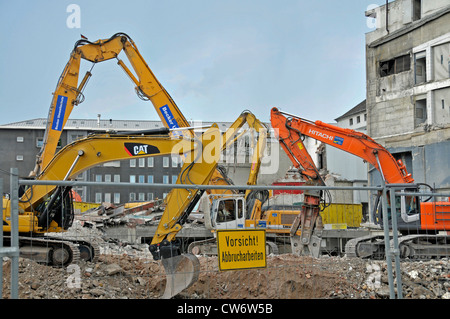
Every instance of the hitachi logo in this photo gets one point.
(320, 134)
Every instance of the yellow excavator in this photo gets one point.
(48, 209)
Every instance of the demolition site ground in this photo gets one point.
(125, 274)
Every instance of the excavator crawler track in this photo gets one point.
(417, 247)
(57, 252)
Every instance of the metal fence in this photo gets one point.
(285, 275)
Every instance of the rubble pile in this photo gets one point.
(125, 274)
(108, 214)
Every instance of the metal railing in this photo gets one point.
(13, 250)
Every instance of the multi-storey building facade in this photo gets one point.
(408, 86)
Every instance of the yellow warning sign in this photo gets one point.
(241, 249)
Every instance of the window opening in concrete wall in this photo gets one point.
(406, 158)
(396, 65)
(420, 111)
(417, 9)
(420, 69)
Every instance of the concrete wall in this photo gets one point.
(410, 117)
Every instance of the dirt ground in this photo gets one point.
(124, 276)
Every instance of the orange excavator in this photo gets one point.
(423, 223)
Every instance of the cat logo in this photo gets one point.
(137, 149)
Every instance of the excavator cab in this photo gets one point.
(228, 213)
(407, 209)
(58, 209)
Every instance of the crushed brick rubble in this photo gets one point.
(126, 271)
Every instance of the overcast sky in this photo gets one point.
(216, 58)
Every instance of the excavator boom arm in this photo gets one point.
(291, 128)
(97, 149)
(68, 92)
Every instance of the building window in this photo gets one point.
(420, 111)
(141, 178)
(132, 178)
(39, 142)
(116, 198)
(141, 197)
(174, 179)
(150, 179)
(351, 122)
(420, 70)
(19, 158)
(141, 162)
(98, 178)
(108, 197)
(19, 139)
(358, 119)
(166, 179)
(98, 197)
(150, 161)
(116, 178)
(133, 162)
(396, 65)
(165, 162)
(132, 197)
(149, 196)
(175, 161)
(108, 178)
(417, 10)
(75, 137)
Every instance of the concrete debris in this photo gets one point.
(108, 214)
(118, 276)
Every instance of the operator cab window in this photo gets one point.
(226, 211)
